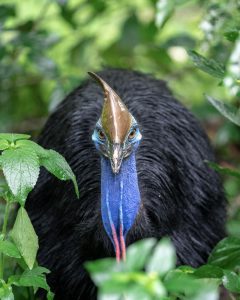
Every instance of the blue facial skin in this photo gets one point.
(120, 197)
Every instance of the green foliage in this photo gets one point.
(20, 161)
(209, 66)
(9, 249)
(57, 165)
(157, 277)
(21, 169)
(227, 110)
(46, 48)
(25, 238)
(161, 279)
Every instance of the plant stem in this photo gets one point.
(5, 221)
(4, 231)
(30, 293)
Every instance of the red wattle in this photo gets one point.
(116, 243)
(122, 244)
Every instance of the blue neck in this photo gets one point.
(120, 197)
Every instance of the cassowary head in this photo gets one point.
(116, 137)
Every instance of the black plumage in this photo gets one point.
(181, 196)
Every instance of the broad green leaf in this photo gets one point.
(126, 283)
(224, 170)
(116, 285)
(4, 144)
(227, 110)
(226, 254)
(231, 281)
(9, 249)
(210, 66)
(27, 144)
(21, 170)
(232, 34)
(38, 271)
(164, 11)
(14, 137)
(155, 290)
(163, 258)
(50, 295)
(33, 278)
(6, 293)
(138, 253)
(56, 164)
(177, 281)
(25, 238)
(208, 271)
(102, 270)
(29, 280)
(208, 291)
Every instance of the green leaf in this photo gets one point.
(28, 279)
(7, 11)
(208, 271)
(4, 144)
(232, 34)
(25, 238)
(208, 291)
(56, 164)
(163, 258)
(6, 293)
(138, 253)
(27, 144)
(226, 254)
(227, 110)
(32, 278)
(116, 285)
(186, 269)
(210, 66)
(224, 170)
(231, 281)
(9, 249)
(39, 271)
(177, 281)
(102, 270)
(10, 137)
(21, 170)
(164, 11)
(50, 295)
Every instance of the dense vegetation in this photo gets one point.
(46, 48)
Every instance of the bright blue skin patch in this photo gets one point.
(120, 196)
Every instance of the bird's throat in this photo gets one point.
(120, 200)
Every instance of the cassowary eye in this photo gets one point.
(101, 134)
(132, 134)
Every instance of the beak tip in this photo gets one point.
(115, 169)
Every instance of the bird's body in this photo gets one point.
(179, 195)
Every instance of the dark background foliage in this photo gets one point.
(47, 46)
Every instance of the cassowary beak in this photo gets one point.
(116, 157)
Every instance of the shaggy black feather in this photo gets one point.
(181, 196)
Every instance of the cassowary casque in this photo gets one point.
(139, 158)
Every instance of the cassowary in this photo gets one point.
(139, 158)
